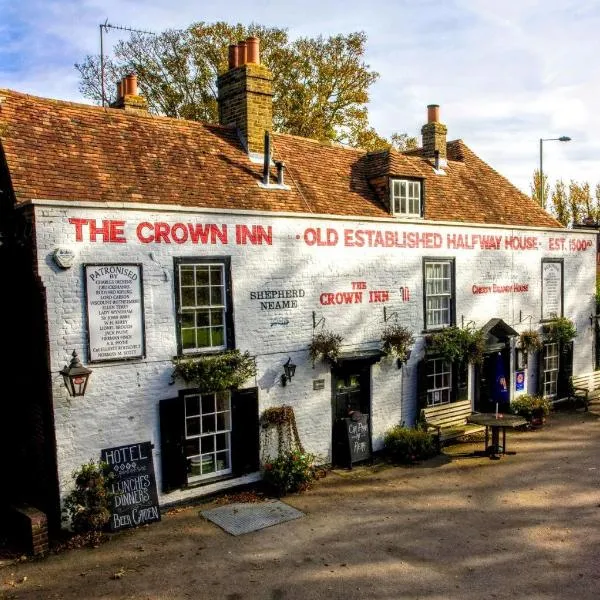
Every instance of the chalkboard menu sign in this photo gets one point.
(135, 501)
(115, 311)
(359, 441)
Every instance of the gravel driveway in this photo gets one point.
(457, 526)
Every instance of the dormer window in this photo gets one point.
(406, 198)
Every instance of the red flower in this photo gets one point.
(268, 467)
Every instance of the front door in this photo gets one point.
(351, 394)
(494, 382)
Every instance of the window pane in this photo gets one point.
(202, 318)
(216, 296)
(203, 338)
(192, 426)
(218, 336)
(188, 296)
(207, 444)
(208, 463)
(208, 403)
(208, 424)
(222, 440)
(216, 276)
(192, 447)
(187, 275)
(188, 338)
(192, 405)
(222, 461)
(202, 296)
(187, 319)
(202, 276)
(223, 421)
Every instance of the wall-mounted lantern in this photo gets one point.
(76, 376)
(289, 370)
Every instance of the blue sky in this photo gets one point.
(504, 73)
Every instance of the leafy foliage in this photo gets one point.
(228, 370)
(320, 84)
(283, 420)
(397, 339)
(527, 406)
(456, 344)
(560, 330)
(405, 445)
(325, 345)
(292, 471)
(530, 341)
(88, 505)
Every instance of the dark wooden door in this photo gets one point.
(351, 393)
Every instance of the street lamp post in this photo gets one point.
(562, 138)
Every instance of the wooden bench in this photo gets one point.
(582, 385)
(449, 421)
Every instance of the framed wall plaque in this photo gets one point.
(115, 311)
(552, 288)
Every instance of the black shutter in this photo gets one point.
(172, 450)
(244, 431)
(422, 384)
(541, 362)
(565, 370)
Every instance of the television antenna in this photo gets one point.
(104, 27)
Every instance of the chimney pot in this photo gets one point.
(119, 90)
(433, 113)
(252, 51)
(233, 56)
(130, 85)
(242, 53)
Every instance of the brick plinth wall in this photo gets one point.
(29, 529)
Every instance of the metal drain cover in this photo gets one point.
(238, 519)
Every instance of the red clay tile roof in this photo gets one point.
(65, 151)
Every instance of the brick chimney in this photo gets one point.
(434, 135)
(127, 95)
(246, 94)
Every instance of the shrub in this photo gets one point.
(291, 471)
(406, 445)
(560, 329)
(227, 370)
(457, 344)
(88, 505)
(528, 406)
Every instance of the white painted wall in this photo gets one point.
(121, 404)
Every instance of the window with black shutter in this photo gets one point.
(205, 436)
(441, 382)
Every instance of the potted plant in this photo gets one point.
(396, 341)
(560, 330)
(533, 408)
(325, 345)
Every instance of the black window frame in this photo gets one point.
(229, 320)
(439, 259)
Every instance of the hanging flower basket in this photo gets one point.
(455, 344)
(530, 341)
(396, 341)
(325, 345)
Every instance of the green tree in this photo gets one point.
(536, 189)
(320, 84)
(580, 201)
(560, 203)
